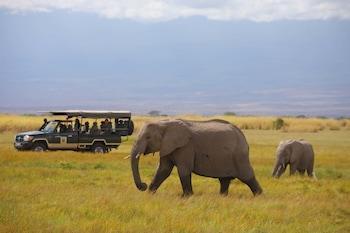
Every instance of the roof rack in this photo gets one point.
(91, 114)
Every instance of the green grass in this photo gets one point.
(83, 192)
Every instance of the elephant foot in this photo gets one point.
(142, 186)
(152, 191)
(224, 194)
(153, 188)
(187, 194)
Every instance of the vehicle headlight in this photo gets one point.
(27, 138)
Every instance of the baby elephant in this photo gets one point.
(298, 154)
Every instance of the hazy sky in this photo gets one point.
(177, 56)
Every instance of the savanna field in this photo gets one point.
(67, 191)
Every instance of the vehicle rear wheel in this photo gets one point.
(39, 147)
(99, 148)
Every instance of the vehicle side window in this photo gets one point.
(122, 123)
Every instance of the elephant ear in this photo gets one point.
(176, 135)
(288, 150)
(296, 151)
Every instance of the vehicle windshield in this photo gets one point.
(50, 127)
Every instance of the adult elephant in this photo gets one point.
(212, 148)
(298, 154)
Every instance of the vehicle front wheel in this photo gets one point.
(99, 148)
(39, 147)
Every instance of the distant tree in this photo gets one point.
(301, 116)
(343, 118)
(322, 117)
(278, 124)
(230, 114)
(154, 113)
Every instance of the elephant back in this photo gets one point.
(220, 148)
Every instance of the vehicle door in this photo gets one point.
(64, 140)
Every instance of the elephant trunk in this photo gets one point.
(135, 152)
(276, 169)
(279, 169)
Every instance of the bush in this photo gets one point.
(301, 116)
(154, 113)
(343, 123)
(230, 114)
(278, 124)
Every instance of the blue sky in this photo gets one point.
(178, 57)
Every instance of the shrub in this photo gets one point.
(343, 123)
(278, 124)
(99, 166)
(154, 113)
(301, 116)
(229, 113)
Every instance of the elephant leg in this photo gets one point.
(292, 169)
(164, 169)
(253, 185)
(301, 171)
(310, 169)
(183, 158)
(186, 185)
(310, 172)
(186, 181)
(224, 185)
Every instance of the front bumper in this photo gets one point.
(23, 145)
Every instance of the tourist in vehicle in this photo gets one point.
(70, 128)
(110, 126)
(77, 125)
(62, 128)
(86, 127)
(94, 128)
(107, 126)
(102, 126)
(44, 125)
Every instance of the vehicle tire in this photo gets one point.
(131, 127)
(99, 148)
(39, 147)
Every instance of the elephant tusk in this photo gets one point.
(137, 156)
(127, 157)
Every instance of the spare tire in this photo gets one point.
(131, 127)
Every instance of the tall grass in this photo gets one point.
(25, 123)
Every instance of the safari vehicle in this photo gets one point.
(76, 132)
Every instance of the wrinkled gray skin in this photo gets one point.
(298, 154)
(212, 148)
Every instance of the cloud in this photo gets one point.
(162, 10)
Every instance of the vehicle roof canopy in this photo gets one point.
(91, 114)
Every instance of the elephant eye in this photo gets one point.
(148, 137)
